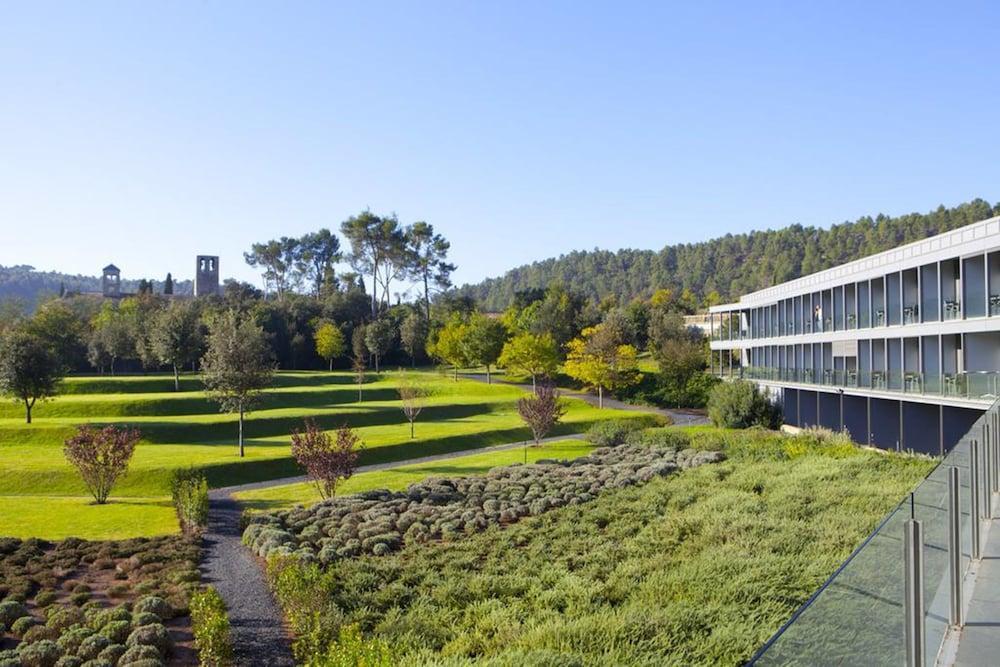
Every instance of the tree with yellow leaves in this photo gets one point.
(597, 359)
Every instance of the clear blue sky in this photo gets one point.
(144, 133)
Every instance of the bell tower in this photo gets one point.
(206, 280)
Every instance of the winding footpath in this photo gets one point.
(258, 628)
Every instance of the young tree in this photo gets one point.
(325, 460)
(449, 344)
(237, 366)
(530, 354)
(64, 329)
(413, 335)
(29, 370)
(112, 335)
(429, 252)
(176, 337)
(358, 366)
(541, 411)
(484, 340)
(598, 360)
(379, 336)
(101, 455)
(330, 342)
(413, 396)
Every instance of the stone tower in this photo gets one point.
(111, 281)
(206, 279)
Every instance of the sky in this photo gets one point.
(144, 133)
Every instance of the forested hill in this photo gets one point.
(28, 285)
(731, 265)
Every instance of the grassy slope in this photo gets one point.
(698, 568)
(286, 496)
(41, 495)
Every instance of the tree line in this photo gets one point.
(724, 268)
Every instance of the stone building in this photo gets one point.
(206, 281)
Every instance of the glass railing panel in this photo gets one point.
(984, 385)
(856, 617)
(952, 309)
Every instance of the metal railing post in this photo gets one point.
(913, 603)
(955, 547)
(987, 471)
(974, 497)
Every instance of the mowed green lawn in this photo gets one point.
(42, 496)
(396, 479)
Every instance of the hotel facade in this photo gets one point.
(900, 349)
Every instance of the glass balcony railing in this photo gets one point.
(952, 310)
(974, 385)
(859, 615)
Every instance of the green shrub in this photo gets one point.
(117, 631)
(112, 653)
(741, 404)
(138, 652)
(92, 646)
(69, 661)
(351, 649)
(153, 604)
(19, 627)
(612, 432)
(45, 598)
(666, 437)
(210, 625)
(44, 653)
(189, 490)
(154, 635)
(10, 611)
(70, 640)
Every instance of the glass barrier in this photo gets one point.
(856, 617)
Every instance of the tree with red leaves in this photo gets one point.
(326, 460)
(541, 411)
(102, 456)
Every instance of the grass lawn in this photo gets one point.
(698, 568)
(396, 479)
(185, 429)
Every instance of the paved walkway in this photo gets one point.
(979, 643)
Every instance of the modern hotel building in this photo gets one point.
(900, 349)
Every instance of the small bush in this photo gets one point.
(351, 648)
(612, 432)
(45, 598)
(137, 652)
(19, 627)
(116, 631)
(741, 404)
(210, 625)
(10, 611)
(189, 490)
(44, 653)
(154, 635)
(668, 438)
(153, 604)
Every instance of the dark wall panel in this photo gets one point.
(921, 428)
(807, 408)
(790, 406)
(856, 418)
(829, 410)
(957, 421)
(885, 423)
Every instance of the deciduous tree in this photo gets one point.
(448, 345)
(101, 455)
(238, 365)
(379, 336)
(330, 342)
(530, 354)
(413, 335)
(484, 339)
(598, 360)
(29, 369)
(541, 411)
(326, 460)
(413, 395)
(177, 338)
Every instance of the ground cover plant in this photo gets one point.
(699, 567)
(287, 496)
(381, 521)
(75, 603)
(41, 495)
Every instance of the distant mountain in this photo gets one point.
(731, 265)
(25, 283)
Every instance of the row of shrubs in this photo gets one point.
(380, 521)
(96, 604)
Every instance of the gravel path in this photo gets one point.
(258, 631)
(259, 635)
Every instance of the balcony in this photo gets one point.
(972, 385)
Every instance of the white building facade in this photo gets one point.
(900, 349)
